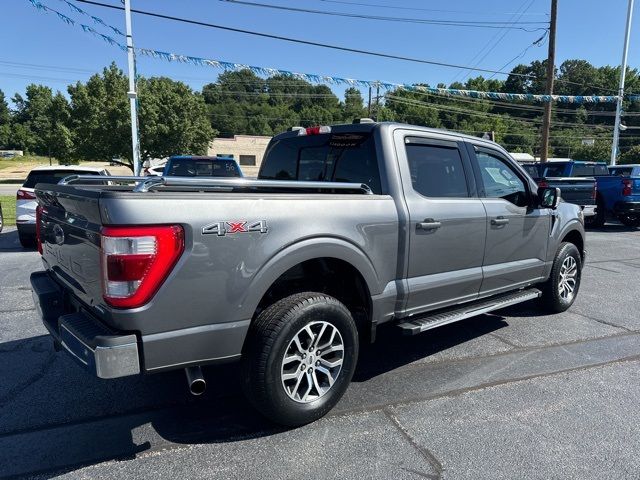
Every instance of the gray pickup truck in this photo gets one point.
(347, 227)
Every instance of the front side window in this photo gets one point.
(436, 171)
(500, 180)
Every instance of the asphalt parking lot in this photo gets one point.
(511, 395)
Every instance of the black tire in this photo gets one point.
(632, 221)
(27, 240)
(271, 336)
(553, 299)
(599, 219)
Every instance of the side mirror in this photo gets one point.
(146, 164)
(548, 197)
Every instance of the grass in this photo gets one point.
(8, 203)
(19, 163)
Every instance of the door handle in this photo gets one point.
(499, 221)
(428, 224)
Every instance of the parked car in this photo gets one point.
(580, 190)
(26, 198)
(194, 166)
(346, 228)
(619, 195)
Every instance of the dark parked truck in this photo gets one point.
(578, 189)
(346, 228)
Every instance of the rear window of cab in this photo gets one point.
(330, 157)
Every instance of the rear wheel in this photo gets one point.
(630, 220)
(299, 359)
(560, 290)
(27, 240)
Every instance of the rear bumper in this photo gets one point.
(102, 351)
(588, 210)
(26, 228)
(627, 208)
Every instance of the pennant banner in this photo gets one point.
(315, 78)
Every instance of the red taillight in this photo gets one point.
(38, 234)
(542, 184)
(136, 261)
(25, 195)
(627, 185)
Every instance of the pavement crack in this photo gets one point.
(504, 340)
(13, 392)
(425, 452)
(604, 322)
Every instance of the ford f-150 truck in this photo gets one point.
(346, 228)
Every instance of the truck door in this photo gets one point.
(517, 233)
(447, 221)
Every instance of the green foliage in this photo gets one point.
(630, 156)
(599, 152)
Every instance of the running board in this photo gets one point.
(414, 326)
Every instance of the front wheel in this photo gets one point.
(300, 355)
(632, 221)
(559, 292)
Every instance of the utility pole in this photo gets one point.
(551, 60)
(132, 94)
(369, 102)
(377, 101)
(623, 72)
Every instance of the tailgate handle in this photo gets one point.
(499, 221)
(428, 224)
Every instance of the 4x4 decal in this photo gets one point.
(233, 227)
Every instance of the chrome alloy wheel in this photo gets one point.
(568, 278)
(312, 362)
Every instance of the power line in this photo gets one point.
(452, 23)
(418, 9)
(307, 42)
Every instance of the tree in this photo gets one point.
(5, 121)
(630, 156)
(600, 151)
(353, 104)
(32, 116)
(100, 119)
(172, 119)
(59, 138)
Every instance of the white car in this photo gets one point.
(26, 199)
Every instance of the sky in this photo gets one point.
(39, 48)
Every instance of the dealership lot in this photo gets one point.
(511, 395)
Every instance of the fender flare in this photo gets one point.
(308, 249)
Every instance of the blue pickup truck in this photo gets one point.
(619, 195)
(617, 188)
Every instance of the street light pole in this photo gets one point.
(623, 72)
(132, 94)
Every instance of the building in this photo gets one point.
(247, 150)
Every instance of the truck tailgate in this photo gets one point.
(577, 190)
(70, 235)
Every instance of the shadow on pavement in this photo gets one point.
(49, 405)
(9, 241)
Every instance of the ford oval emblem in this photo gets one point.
(58, 234)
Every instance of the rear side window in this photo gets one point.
(339, 157)
(436, 171)
(51, 176)
(620, 171)
(190, 167)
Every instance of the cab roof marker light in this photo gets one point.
(314, 130)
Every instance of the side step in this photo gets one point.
(417, 325)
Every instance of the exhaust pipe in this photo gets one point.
(195, 380)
